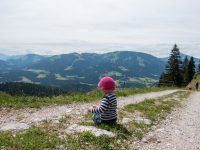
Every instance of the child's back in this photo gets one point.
(108, 108)
(107, 111)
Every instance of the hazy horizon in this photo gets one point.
(102, 52)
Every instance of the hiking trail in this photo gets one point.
(180, 130)
(20, 119)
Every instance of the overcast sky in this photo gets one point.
(64, 26)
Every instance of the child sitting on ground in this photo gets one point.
(107, 111)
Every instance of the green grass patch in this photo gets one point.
(140, 62)
(36, 102)
(47, 137)
(38, 71)
(118, 129)
(41, 76)
(64, 119)
(123, 68)
(87, 141)
(26, 80)
(131, 91)
(33, 139)
(153, 109)
(138, 129)
(59, 77)
(156, 109)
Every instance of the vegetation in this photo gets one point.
(178, 73)
(173, 68)
(69, 71)
(199, 68)
(197, 76)
(7, 100)
(28, 89)
(34, 138)
(191, 69)
(153, 109)
(185, 70)
(49, 137)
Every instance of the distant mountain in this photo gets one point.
(4, 66)
(24, 60)
(77, 71)
(3, 56)
(197, 60)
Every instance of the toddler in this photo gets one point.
(106, 112)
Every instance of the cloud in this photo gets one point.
(98, 24)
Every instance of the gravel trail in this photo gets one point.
(180, 131)
(23, 118)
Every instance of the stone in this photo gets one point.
(142, 120)
(95, 131)
(144, 140)
(126, 120)
(14, 126)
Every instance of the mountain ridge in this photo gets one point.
(75, 71)
(79, 71)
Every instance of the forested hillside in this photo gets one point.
(82, 71)
(27, 89)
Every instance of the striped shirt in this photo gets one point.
(108, 107)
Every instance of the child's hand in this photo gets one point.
(94, 106)
(89, 109)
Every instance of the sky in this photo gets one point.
(51, 27)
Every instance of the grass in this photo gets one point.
(41, 76)
(154, 110)
(131, 91)
(25, 79)
(59, 77)
(38, 71)
(118, 129)
(86, 140)
(138, 129)
(33, 139)
(35, 102)
(64, 119)
(47, 135)
(117, 142)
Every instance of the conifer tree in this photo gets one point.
(199, 67)
(185, 70)
(191, 69)
(174, 67)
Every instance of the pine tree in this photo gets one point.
(191, 69)
(162, 79)
(199, 67)
(174, 67)
(185, 70)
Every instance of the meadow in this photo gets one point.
(9, 101)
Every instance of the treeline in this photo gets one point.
(28, 89)
(178, 72)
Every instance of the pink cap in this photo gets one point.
(107, 83)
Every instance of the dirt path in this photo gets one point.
(180, 131)
(24, 118)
